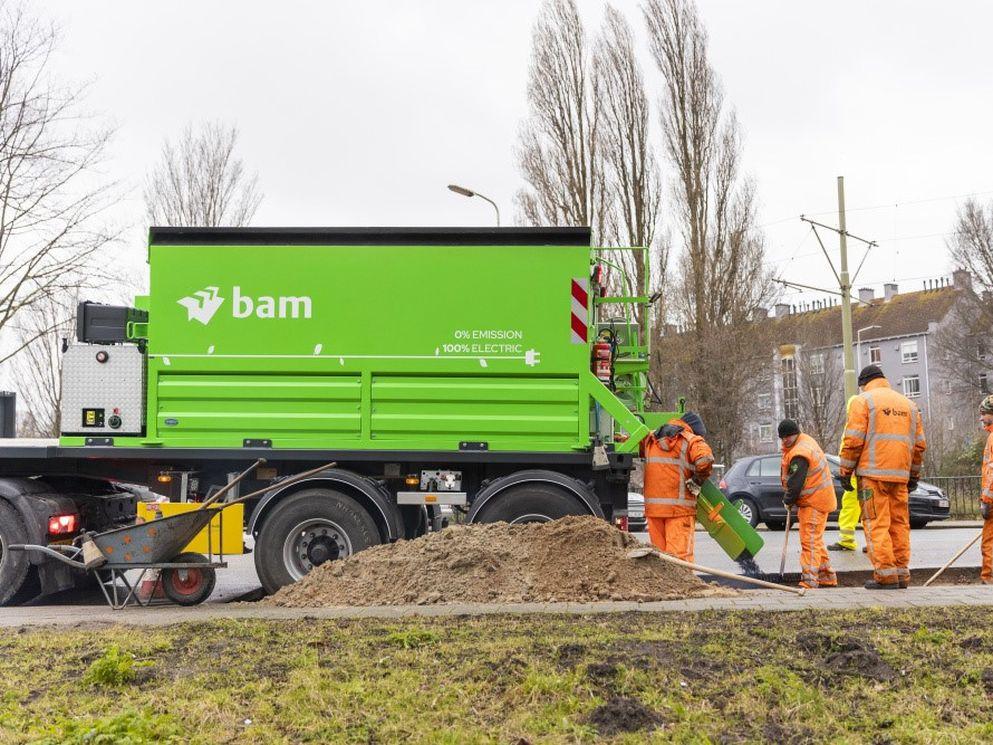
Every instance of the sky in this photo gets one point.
(358, 114)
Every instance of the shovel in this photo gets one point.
(642, 551)
(786, 542)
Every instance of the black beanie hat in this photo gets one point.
(695, 423)
(788, 427)
(869, 372)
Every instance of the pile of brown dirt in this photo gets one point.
(575, 559)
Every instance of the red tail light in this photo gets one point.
(63, 524)
(621, 522)
(723, 484)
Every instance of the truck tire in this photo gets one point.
(530, 503)
(305, 530)
(14, 565)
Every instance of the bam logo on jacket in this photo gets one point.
(895, 412)
(203, 304)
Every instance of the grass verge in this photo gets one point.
(921, 675)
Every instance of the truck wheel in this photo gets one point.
(530, 503)
(14, 565)
(189, 586)
(307, 529)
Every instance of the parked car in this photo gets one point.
(753, 483)
(636, 513)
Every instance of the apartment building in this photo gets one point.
(900, 332)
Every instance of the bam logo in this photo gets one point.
(203, 304)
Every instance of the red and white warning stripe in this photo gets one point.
(580, 310)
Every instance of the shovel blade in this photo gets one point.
(641, 552)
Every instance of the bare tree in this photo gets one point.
(558, 153)
(51, 194)
(821, 395)
(630, 167)
(38, 369)
(721, 278)
(964, 349)
(200, 181)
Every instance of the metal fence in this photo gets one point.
(962, 493)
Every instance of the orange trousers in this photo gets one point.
(886, 522)
(815, 565)
(673, 535)
(987, 544)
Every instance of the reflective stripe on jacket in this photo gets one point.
(818, 489)
(884, 435)
(987, 487)
(669, 462)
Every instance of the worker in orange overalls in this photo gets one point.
(807, 480)
(986, 491)
(884, 446)
(677, 461)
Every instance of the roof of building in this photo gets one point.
(905, 314)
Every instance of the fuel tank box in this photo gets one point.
(406, 339)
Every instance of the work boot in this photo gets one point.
(873, 585)
(904, 583)
(865, 549)
(840, 547)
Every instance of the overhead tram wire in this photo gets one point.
(893, 205)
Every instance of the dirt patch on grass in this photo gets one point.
(620, 714)
(846, 656)
(859, 658)
(575, 559)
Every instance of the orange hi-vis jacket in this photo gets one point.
(987, 493)
(669, 462)
(884, 436)
(818, 489)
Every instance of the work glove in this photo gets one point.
(846, 482)
(912, 486)
(668, 430)
(987, 509)
(693, 487)
(789, 501)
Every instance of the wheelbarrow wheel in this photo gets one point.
(188, 586)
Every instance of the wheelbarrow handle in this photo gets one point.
(231, 484)
(65, 554)
(279, 484)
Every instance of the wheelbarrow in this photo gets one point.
(185, 578)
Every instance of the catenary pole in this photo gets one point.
(851, 386)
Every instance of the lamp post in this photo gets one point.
(858, 342)
(470, 193)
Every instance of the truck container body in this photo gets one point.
(399, 347)
(470, 368)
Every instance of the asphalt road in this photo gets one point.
(931, 547)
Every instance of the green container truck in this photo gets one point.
(466, 369)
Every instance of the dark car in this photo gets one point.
(753, 483)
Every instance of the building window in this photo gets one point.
(912, 386)
(817, 363)
(764, 401)
(908, 351)
(765, 433)
(875, 355)
(984, 383)
(791, 401)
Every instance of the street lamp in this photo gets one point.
(858, 342)
(470, 193)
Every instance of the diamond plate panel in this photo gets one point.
(117, 386)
